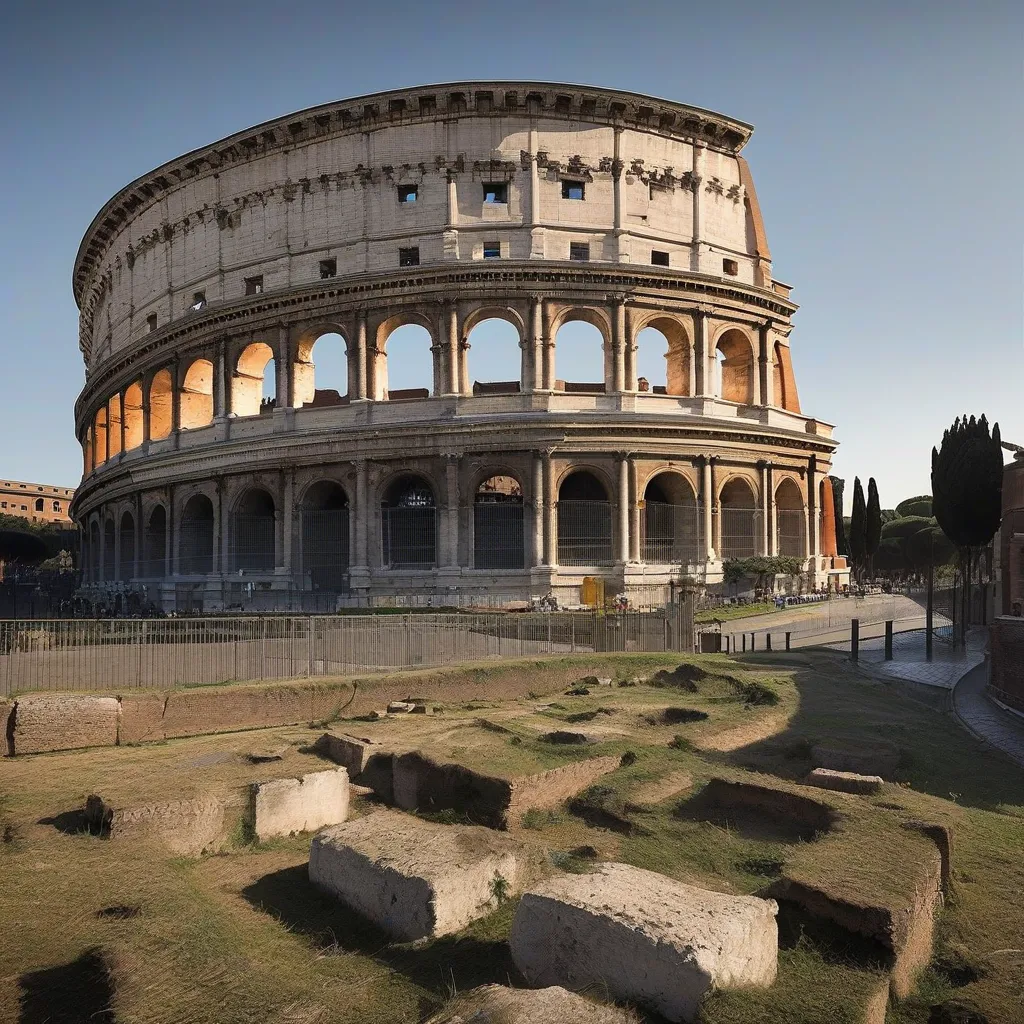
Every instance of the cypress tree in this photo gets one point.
(858, 527)
(842, 546)
(872, 525)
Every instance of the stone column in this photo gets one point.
(220, 395)
(621, 252)
(622, 552)
(170, 554)
(282, 369)
(550, 512)
(814, 523)
(716, 509)
(701, 360)
(765, 508)
(362, 515)
(758, 370)
(451, 385)
(537, 506)
(698, 176)
(139, 535)
(451, 479)
(549, 350)
(361, 359)
(437, 352)
(175, 402)
(117, 547)
(536, 354)
(464, 388)
(219, 553)
(773, 526)
(706, 498)
(121, 426)
(147, 434)
(764, 377)
(536, 231)
(629, 384)
(634, 514)
(289, 519)
(618, 346)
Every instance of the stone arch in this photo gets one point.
(126, 532)
(418, 363)
(789, 518)
(783, 381)
(100, 436)
(674, 377)
(133, 416)
(496, 336)
(161, 396)
(312, 387)
(250, 376)
(734, 367)
(324, 536)
(582, 349)
(409, 522)
(671, 523)
(196, 395)
(739, 518)
(498, 522)
(195, 536)
(154, 543)
(114, 425)
(584, 519)
(253, 531)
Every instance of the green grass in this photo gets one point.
(734, 611)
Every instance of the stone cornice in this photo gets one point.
(557, 280)
(442, 102)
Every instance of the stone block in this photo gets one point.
(413, 878)
(401, 707)
(350, 752)
(187, 827)
(867, 759)
(844, 782)
(6, 728)
(644, 938)
(64, 721)
(498, 1004)
(284, 806)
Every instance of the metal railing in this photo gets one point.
(117, 654)
(409, 537)
(672, 533)
(740, 531)
(790, 525)
(498, 535)
(585, 533)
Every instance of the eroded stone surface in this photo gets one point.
(647, 938)
(498, 1004)
(844, 782)
(350, 752)
(186, 827)
(64, 721)
(283, 806)
(413, 878)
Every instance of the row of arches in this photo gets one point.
(405, 360)
(671, 527)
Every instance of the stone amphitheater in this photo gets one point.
(439, 224)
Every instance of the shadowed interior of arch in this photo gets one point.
(132, 412)
(663, 358)
(195, 536)
(196, 398)
(739, 519)
(160, 405)
(325, 536)
(498, 534)
(154, 544)
(584, 520)
(789, 519)
(580, 361)
(409, 524)
(126, 530)
(671, 525)
(734, 368)
(320, 373)
(495, 357)
(252, 532)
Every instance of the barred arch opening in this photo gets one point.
(671, 524)
(409, 524)
(789, 519)
(160, 403)
(734, 368)
(253, 547)
(498, 533)
(584, 520)
(195, 537)
(126, 531)
(94, 552)
(108, 551)
(154, 544)
(196, 396)
(325, 537)
(739, 519)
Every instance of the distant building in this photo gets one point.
(39, 503)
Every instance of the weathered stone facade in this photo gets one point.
(444, 207)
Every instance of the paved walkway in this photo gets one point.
(985, 719)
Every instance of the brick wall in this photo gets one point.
(1006, 640)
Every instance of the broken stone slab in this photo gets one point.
(283, 806)
(187, 827)
(844, 782)
(413, 878)
(351, 752)
(401, 707)
(498, 1004)
(644, 938)
(265, 756)
(877, 758)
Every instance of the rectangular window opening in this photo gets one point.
(496, 192)
(198, 301)
(579, 251)
(409, 257)
(151, 321)
(254, 285)
(408, 193)
(572, 189)
(659, 258)
(730, 267)
(328, 268)
(492, 250)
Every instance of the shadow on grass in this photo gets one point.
(71, 823)
(937, 756)
(478, 956)
(72, 993)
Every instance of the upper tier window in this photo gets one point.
(328, 268)
(198, 301)
(408, 193)
(496, 192)
(572, 189)
(254, 285)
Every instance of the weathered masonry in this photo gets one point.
(217, 464)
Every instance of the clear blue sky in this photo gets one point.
(887, 154)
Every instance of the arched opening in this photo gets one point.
(127, 538)
(671, 521)
(404, 366)
(154, 562)
(739, 519)
(195, 541)
(409, 524)
(197, 395)
(252, 532)
(789, 519)
(784, 385)
(580, 357)
(495, 357)
(734, 368)
(114, 426)
(133, 416)
(108, 551)
(160, 401)
(325, 533)
(498, 524)
(94, 551)
(320, 373)
(254, 381)
(584, 521)
(663, 358)
(99, 427)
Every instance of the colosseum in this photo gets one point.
(466, 230)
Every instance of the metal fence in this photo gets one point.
(585, 532)
(115, 654)
(672, 533)
(740, 532)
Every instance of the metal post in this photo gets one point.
(744, 643)
(928, 616)
(854, 639)
(788, 635)
(753, 641)
(888, 640)
(767, 641)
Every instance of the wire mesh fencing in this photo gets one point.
(584, 532)
(116, 654)
(672, 533)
